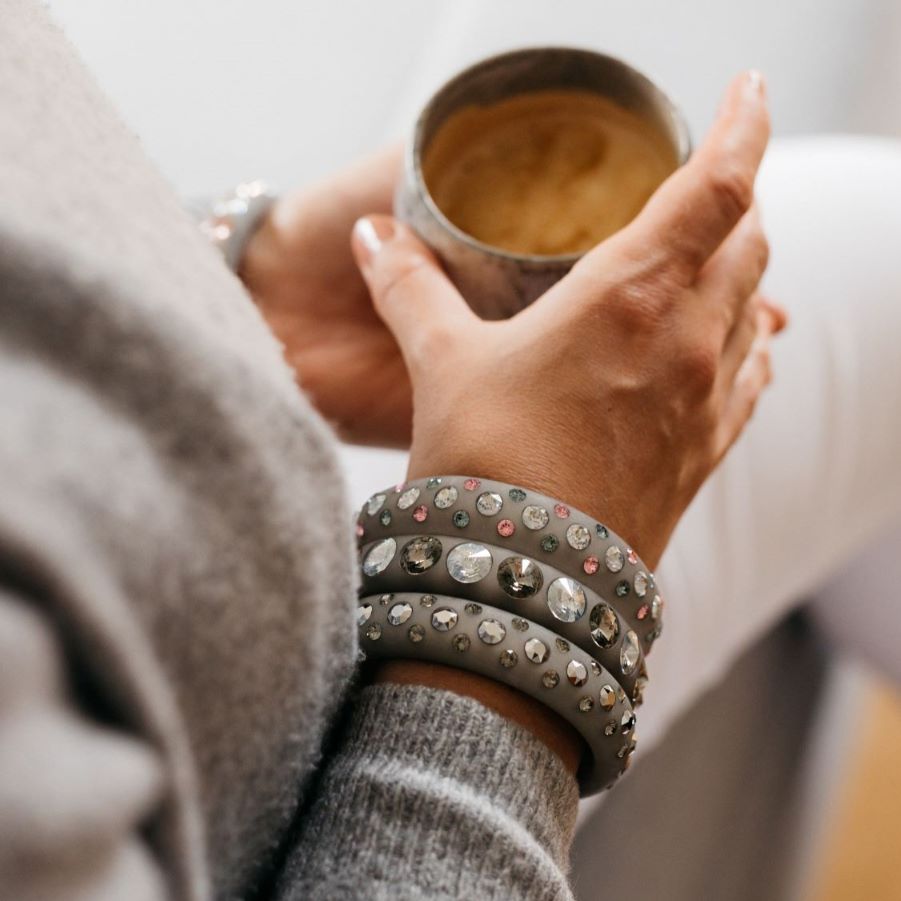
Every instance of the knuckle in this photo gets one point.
(398, 279)
(732, 189)
(638, 305)
(699, 367)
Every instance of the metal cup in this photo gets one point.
(495, 282)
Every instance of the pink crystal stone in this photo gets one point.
(471, 484)
(506, 528)
(591, 565)
(643, 611)
(561, 511)
(360, 530)
(631, 556)
(421, 513)
(399, 487)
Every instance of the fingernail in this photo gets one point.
(372, 233)
(754, 84)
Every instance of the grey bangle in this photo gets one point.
(230, 221)
(529, 588)
(531, 525)
(524, 655)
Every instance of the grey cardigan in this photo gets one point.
(177, 710)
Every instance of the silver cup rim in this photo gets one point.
(413, 152)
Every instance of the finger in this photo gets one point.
(733, 273)
(694, 210)
(411, 294)
(778, 313)
(754, 321)
(754, 374)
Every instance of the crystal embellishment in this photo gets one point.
(427, 600)
(508, 658)
(473, 609)
(374, 504)
(578, 537)
(516, 494)
(461, 643)
(489, 503)
(420, 554)
(379, 557)
(566, 599)
(607, 697)
(628, 721)
(535, 517)
(629, 653)
(461, 519)
(408, 498)
(364, 611)
(446, 497)
(614, 559)
(656, 607)
(491, 631)
(550, 679)
(586, 704)
(416, 633)
(469, 562)
(536, 650)
(519, 577)
(576, 673)
(603, 624)
(399, 614)
(373, 631)
(520, 624)
(385, 517)
(562, 645)
(640, 583)
(444, 619)
(549, 544)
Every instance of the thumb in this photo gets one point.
(411, 294)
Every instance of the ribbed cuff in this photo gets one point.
(433, 795)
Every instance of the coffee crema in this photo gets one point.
(546, 173)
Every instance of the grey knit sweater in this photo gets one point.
(177, 716)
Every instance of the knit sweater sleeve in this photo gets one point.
(431, 795)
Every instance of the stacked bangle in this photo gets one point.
(544, 571)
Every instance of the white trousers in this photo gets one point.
(807, 506)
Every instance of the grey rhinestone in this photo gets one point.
(444, 619)
(516, 494)
(373, 631)
(536, 650)
(622, 589)
(364, 611)
(578, 536)
(610, 727)
(420, 554)
(461, 643)
(461, 519)
(489, 503)
(595, 668)
(519, 577)
(469, 562)
(385, 517)
(385, 599)
(491, 631)
(535, 517)
(629, 653)
(520, 624)
(379, 557)
(408, 498)
(508, 658)
(427, 600)
(399, 614)
(416, 633)
(607, 697)
(566, 599)
(601, 531)
(614, 559)
(473, 609)
(576, 673)
(446, 497)
(603, 625)
(550, 679)
(562, 645)
(586, 704)
(433, 482)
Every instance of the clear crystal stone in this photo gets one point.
(520, 624)
(444, 619)
(420, 554)
(578, 536)
(491, 631)
(364, 611)
(607, 697)
(374, 504)
(488, 503)
(427, 600)
(586, 704)
(576, 673)
(408, 498)
(416, 633)
(640, 583)
(508, 658)
(562, 645)
(473, 609)
(550, 679)
(433, 482)
(469, 562)
(656, 607)
(629, 653)
(519, 577)
(461, 643)
(536, 650)
(595, 668)
(535, 517)
(603, 624)
(373, 631)
(379, 557)
(386, 599)
(446, 497)
(628, 721)
(399, 614)
(614, 559)
(610, 727)
(566, 599)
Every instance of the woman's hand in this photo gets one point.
(299, 268)
(620, 389)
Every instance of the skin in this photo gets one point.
(619, 390)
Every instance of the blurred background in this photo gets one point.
(223, 90)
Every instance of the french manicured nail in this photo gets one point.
(372, 233)
(754, 84)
